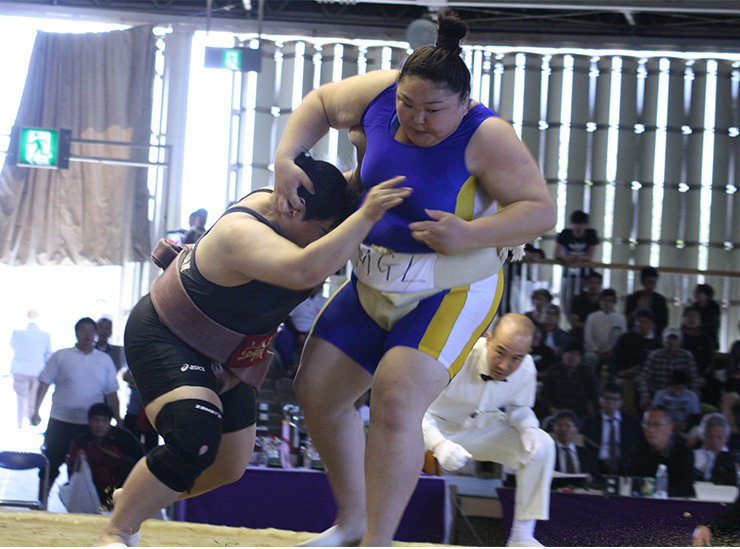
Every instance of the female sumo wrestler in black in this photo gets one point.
(246, 273)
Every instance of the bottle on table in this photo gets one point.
(661, 482)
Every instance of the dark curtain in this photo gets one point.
(100, 86)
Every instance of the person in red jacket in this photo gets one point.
(111, 452)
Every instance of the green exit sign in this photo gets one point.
(235, 59)
(43, 148)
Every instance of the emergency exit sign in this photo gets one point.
(43, 148)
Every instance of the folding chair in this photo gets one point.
(23, 461)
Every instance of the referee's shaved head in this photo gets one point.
(516, 324)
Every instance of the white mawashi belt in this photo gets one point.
(389, 271)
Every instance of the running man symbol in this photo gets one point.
(38, 147)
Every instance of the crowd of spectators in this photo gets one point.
(621, 390)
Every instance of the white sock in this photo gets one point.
(522, 529)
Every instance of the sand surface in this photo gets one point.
(43, 529)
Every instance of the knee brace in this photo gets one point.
(191, 430)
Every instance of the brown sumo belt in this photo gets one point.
(247, 356)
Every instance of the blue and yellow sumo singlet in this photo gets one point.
(445, 323)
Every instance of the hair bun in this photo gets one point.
(450, 31)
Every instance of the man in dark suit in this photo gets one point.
(661, 447)
(569, 458)
(597, 434)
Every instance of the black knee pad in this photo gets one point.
(191, 430)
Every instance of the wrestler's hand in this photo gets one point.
(702, 537)
(444, 234)
(288, 177)
(384, 196)
(531, 443)
(451, 456)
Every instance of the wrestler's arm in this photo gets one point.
(509, 174)
(337, 105)
(245, 246)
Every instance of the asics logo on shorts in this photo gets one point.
(186, 367)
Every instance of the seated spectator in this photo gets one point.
(660, 365)
(569, 458)
(543, 355)
(700, 345)
(730, 399)
(570, 384)
(197, 222)
(630, 352)
(683, 403)
(553, 336)
(111, 452)
(713, 461)
(648, 299)
(541, 298)
(583, 304)
(293, 333)
(660, 446)
(610, 449)
(601, 331)
(710, 312)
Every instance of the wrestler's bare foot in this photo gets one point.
(334, 537)
(117, 538)
(112, 537)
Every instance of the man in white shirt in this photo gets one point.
(82, 376)
(31, 349)
(485, 413)
(602, 329)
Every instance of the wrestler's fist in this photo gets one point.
(384, 196)
(451, 456)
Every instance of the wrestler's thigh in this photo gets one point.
(328, 375)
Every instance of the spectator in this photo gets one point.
(682, 403)
(648, 299)
(709, 311)
(82, 376)
(197, 223)
(111, 452)
(610, 449)
(584, 304)
(541, 298)
(661, 363)
(31, 349)
(602, 329)
(569, 458)
(630, 353)
(574, 247)
(660, 446)
(700, 345)
(722, 529)
(730, 399)
(115, 352)
(292, 334)
(713, 461)
(553, 336)
(543, 355)
(570, 384)
(136, 420)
